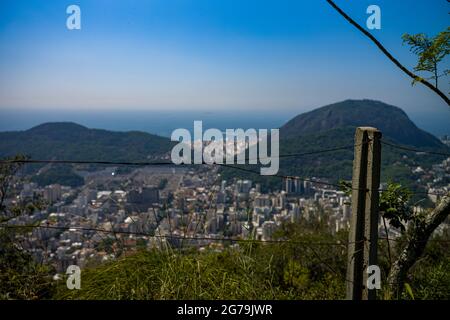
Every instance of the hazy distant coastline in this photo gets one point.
(164, 122)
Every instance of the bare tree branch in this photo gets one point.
(387, 54)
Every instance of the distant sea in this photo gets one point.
(164, 122)
(156, 122)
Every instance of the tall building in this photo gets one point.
(293, 186)
(262, 201)
(52, 193)
(281, 200)
(243, 186)
(143, 198)
(295, 213)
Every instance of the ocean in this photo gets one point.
(164, 122)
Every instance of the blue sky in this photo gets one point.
(209, 55)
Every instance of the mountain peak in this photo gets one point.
(69, 140)
(57, 126)
(392, 121)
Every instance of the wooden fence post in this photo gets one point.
(363, 238)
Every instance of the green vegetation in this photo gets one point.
(336, 165)
(431, 279)
(431, 51)
(392, 121)
(61, 174)
(20, 276)
(327, 127)
(333, 126)
(296, 270)
(310, 266)
(254, 271)
(70, 141)
(428, 279)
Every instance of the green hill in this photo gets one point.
(323, 128)
(70, 141)
(67, 140)
(392, 121)
(334, 126)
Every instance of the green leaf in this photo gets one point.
(409, 290)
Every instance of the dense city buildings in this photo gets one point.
(190, 208)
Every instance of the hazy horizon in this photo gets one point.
(312, 204)
(209, 55)
(164, 122)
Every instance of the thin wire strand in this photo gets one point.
(414, 149)
(158, 163)
(172, 236)
(338, 243)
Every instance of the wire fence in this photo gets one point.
(160, 163)
(235, 167)
(405, 148)
(175, 237)
(308, 244)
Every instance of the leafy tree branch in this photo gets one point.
(415, 77)
(430, 51)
